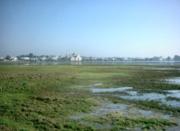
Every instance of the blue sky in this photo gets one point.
(127, 28)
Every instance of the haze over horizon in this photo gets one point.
(124, 28)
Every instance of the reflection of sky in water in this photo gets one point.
(101, 90)
(145, 96)
(175, 80)
(174, 93)
(134, 95)
(123, 109)
(172, 103)
(155, 97)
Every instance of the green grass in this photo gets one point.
(43, 97)
(115, 121)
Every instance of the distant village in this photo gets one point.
(74, 57)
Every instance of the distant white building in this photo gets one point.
(43, 58)
(25, 58)
(55, 58)
(75, 57)
(14, 58)
(1, 58)
(34, 59)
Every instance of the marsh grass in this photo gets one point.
(115, 121)
(43, 97)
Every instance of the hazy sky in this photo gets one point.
(90, 27)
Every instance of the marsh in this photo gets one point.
(88, 97)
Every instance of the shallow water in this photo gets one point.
(145, 96)
(128, 110)
(175, 80)
(172, 103)
(109, 108)
(155, 97)
(102, 90)
(159, 68)
(174, 93)
(123, 109)
(98, 84)
(131, 94)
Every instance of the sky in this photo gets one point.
(122, 28)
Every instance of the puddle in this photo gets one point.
(128, 110)
(175, 80)
(98, 84)
(106, 108)
(109, 108)
(103, 90)
(123, 109)
(155, 97)
(172, 103)
(145, 96)
(160, 68)
(174, 93)
(131, 94)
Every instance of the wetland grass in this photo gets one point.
(43, 97)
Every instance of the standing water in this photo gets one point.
(175, 80)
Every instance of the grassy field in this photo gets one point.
(44, 97)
